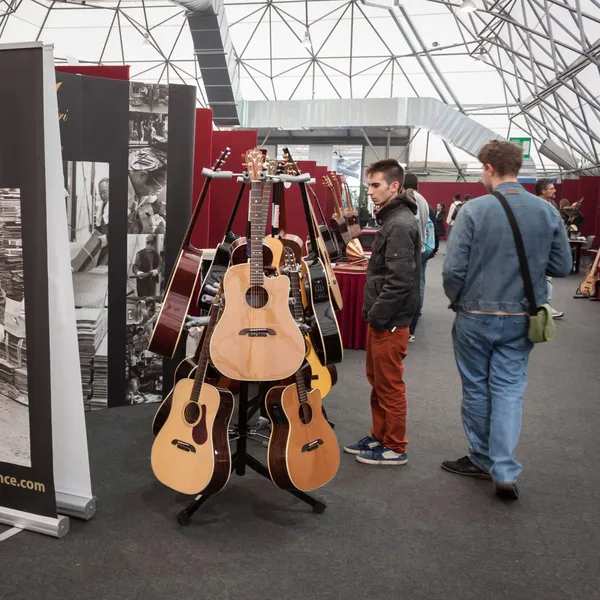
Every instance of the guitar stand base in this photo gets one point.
(240, 459)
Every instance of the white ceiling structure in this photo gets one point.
(522, 68)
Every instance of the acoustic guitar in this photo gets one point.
(303, 450)
(324, 328)
(182, 283)
(191, 452)
(257, 338)
(588, 288)
(320, 375)
(316, 245)
(325, 233)
(221, 260)
(343, 193)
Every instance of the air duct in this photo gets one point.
(214, 51)
(557, 154)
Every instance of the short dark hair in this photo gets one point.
(467, 197)
(411, 181)
(456, 197)
(505, 157)
(541, 185)
(391, 169)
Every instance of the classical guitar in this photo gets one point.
(588, 288)
(320, 376)
(221, 260)
(182, 283)
(303, 451)
(339, 223)
(191, 452)
(315, 237)
(257, 338)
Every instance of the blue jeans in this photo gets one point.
(417, 315)
(550, 286)
(491, 353)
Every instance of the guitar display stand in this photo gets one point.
(241, 459)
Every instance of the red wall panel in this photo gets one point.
(589, 190)
(107, 71)
(203, 157)
(223, 191)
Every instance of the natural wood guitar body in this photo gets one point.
(291, 463)
(321, 376)
(256, 344)
(195, 458)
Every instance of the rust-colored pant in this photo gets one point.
(385, 353)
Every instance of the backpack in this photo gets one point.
(458, 206)
(429, 238)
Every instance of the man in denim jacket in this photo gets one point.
(483, 281)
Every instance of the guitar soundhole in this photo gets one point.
(305, 413)
(257, 296)
(191, 413)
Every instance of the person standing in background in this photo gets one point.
(440, 226)
(482, 278)
(391, 298)
(453, 207)
(146, 268)
(411, 187)
(544, 189)
(101, 219)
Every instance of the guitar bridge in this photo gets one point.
(258, 332)
(312, 445)
(184, 446)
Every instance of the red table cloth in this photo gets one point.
(352, 325)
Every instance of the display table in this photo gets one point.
(352, 325)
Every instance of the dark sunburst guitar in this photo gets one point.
(191, 452)
(182, 283)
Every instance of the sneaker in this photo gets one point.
(507, 491)
(557, 314)
(411, 337)
(464, 466)
(364, 445)
(382, 456)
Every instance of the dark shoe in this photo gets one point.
(508, 491)
(367, 443)
(382, 456)
(464, 466)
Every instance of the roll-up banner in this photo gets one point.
(43, 444)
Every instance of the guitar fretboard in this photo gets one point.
(258, 226)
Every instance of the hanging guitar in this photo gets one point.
(338, 222)
(191, 452)
(325, 233)
(325, 332)
(182, 283)
(221, 260)
(257, 338)
(316, 245)
(343, 193)
(303, 450)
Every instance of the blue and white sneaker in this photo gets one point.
(364, 445)
(382, 456)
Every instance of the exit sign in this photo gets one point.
(525, 143)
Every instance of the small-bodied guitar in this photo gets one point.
(303, 451)
(588, 288)
(325, 233)
(182, 283)
(351, 213)
(257, 338)
(339, 223)
(191, 452)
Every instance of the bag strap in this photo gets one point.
(525, 274)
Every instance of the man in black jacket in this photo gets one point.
(390, 301)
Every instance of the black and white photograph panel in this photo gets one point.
(87, 204)
(147, 196)
(148, 97)
(15, 446)
(144, 293)
(148, 129)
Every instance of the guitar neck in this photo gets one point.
(258, 225)
(203, 357)
(236, 206)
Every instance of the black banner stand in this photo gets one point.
(241, 459)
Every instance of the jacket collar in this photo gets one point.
(396, 204)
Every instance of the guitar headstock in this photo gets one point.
(290, 165)
(272, 167)
(221, 160)
(254, 161)
(290, 259)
